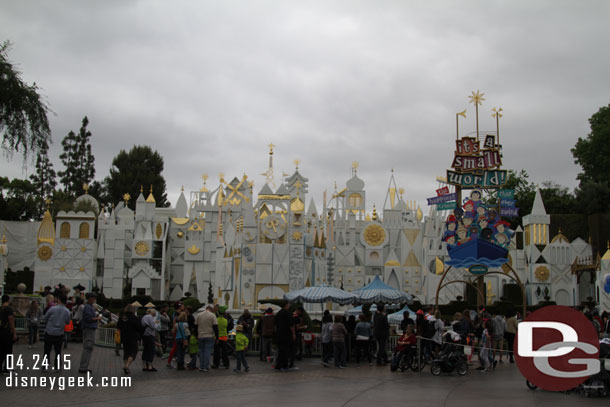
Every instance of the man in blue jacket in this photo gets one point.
(56, 317)
(88, 326)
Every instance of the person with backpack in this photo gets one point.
(438, 327)
(89, 325)
(221, 348)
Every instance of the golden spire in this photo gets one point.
(401, 191)
(375, 217)
(477, 98)
(355, 166)
(48, 203)
(497, 113)
(271, 148)
(296, 163)
(141, 188)
(86, 188)
(457, 128)
(4, 238)
(221, 177)
(126, 198)
(205, 179)
(151, 198)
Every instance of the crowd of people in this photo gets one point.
(210, 336)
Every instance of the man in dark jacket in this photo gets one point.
(381, 330)
(286, 336)
(266, 329)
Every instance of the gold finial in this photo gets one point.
(205, 179)
(85, 188)
(457, 123)
(221, 176)
(141, 188)
(355, 166)
(401, 191)
(245, 177)
(375, 217)
(496, 113)
(4, 238)
(126, 198)
(251, 184)
(271, 148)
(476, 98)
(296, 163)
(48, 202)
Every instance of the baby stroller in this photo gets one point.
(451, 356)
(599, 383)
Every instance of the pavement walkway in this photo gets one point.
(311, 385)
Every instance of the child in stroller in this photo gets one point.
(405, 345)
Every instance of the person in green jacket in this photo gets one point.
(241, 347)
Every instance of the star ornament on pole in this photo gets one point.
(476, 98)
(497, 113)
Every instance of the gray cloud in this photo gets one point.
(210, 84)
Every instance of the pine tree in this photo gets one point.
(133, 169)
(44, 179)
(78, 160)
(210, 294)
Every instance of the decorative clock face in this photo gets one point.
(374, 235)
(141, 248)
(273, 226)
(542, 273)
(45, 253)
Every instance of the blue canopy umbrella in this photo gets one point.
(397, 317)
(321, 294)
(378, 291)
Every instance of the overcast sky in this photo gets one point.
(209, 84)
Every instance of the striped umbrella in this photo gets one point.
(321, 294)
(378, 291)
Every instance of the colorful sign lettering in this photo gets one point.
(442, 198)
(443, 206)
(442, 191)
(509, 212)
(507, 203)
(506, 193)
(487, 159)
(483, 179)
